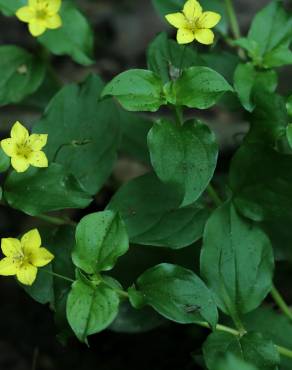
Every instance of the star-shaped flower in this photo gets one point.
(41, 15)
(25, 149)
(194, 24)
(23, 257)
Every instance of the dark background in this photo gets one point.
(123, 29)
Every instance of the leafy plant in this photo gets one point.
(237, 227)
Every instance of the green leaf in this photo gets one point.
(279, 231)
(222, 62)
(20, 74)
(232, 362)
(44, 190)
(281, 56)
(252, 347)
(4, 161)
(289, 106)
(152, 215)
(84, 136)
(269, 37)
(74, 38)
(176, 293)
(131, 320)
(236, 261)
(101, 238)
(48, 288)
(268, 120)
(166, 57)
(137, 90)
(11, 6)
(260, 179)
(91, 308)
(279, 329)
(246, 78)
(42, 289)
(198, 87)
(289, 134)
(183, 155)
(135, 129)
(60, 241)
(172, 6)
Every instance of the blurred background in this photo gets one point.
(123, 30)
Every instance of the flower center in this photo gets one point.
(23, 150)
(19, 258)
(192, 23)
(41, 14)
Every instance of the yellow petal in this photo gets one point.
(41, 257)
(20, 164)
(54, 6)
(177, 20)
(192, 9)
(33, 3)
(25, 14)
(185, 36)
(208, 20)
(19, 133)
(31, 241)
(11, 247)
(8, 267)
(9, 147)
(26, 274)
(54, 22)
(36, 28)
(37, 141)
(38, 159)
(204, 36)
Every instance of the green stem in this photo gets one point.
(120, 292)
(178, 112)
(182, 59)
(234, 24)
(233, 19)
(219, 327)
(56, 220)
(59, 276)
(281, 303)
(214, 195)
(282, 350)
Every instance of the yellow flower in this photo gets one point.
(194, 24)
(40, 15)
(23, 257)
(25, 149)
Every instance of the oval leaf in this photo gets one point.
(183, 155)
(74, 38)
(84, 136)
(252, 347)
(152, 215)
(198, 87)
(176, 293)
(236, 261)
(100, 239)
(137, 90)
(43, 190)
(260, 178)
(90, 308)
(21, 74)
